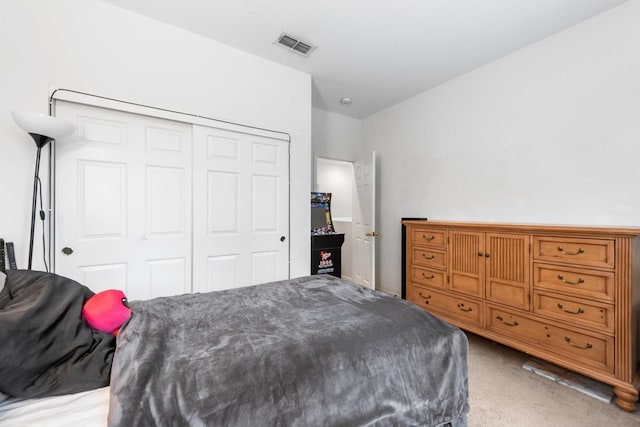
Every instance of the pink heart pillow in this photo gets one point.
(106, 311)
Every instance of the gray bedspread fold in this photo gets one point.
(313, 351)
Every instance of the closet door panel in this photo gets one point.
(166, 201)
(123, 202)
(240, 184)
(223, 202)
(167, 276)
(102, 199)
(223, 272)
(264, 266)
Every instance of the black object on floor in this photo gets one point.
(12, 256)
(2, 263)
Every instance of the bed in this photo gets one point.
(315, 350)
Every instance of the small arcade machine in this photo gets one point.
(326, 244)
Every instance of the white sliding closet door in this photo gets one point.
(161, 206)
(240, 210)
(123, 202)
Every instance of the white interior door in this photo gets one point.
(241, 209)
(123, 202)
(364, 221)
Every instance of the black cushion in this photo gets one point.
(46, 347)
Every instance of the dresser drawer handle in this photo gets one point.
(430, 277)
(427, 297)
(568, 282)
(561, 307)
(430, 257)
(586, 347)
(500, 318)
(578, 252)
(428, 239)
(461, 307)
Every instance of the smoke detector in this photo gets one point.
(346, 100)
(294, 44)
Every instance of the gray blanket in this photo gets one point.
(313, 351)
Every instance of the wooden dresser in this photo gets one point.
(568, 295)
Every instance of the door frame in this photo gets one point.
(349, 237)
(352, 237)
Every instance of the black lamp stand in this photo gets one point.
(41, 141)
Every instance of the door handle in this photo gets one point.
(66, 250)
(282, 238)
(514, 323)
(461, 307)
(371, 234)
(562, 279)
(583, 347)
(563, 251)
(579, 311)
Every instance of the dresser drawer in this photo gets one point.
(429, 257)
(574, 281)
(577, 311)
(448, 305)
(589, 348)
(586, 252)
(430, 238)
(429, 277)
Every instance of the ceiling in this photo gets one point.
(377, 52)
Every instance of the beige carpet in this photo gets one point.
(502, 393)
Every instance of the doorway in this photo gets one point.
(336, 177)
(352, 185)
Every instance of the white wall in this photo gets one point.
(336, 177)
(335, 136)
(548, 134)
(94, 47)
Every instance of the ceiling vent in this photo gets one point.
(294, 44)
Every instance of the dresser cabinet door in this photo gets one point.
(494, 266)
(507, 269)
(467, 261)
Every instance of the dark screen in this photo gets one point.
(318, 217)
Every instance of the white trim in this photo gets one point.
(56, 94)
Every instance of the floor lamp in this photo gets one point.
(43, 129)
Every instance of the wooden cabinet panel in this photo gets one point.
(514, 296)
(491, 265)
(449, 305)
(574, 281)
(507, 274)
(467, 262)
(421, 296)
(577, 311)
(428, 276)
(586, 252)
(429, 257)
(430, 238)
(593, 349)
(570, 295)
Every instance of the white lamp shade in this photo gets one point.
(41, 124)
